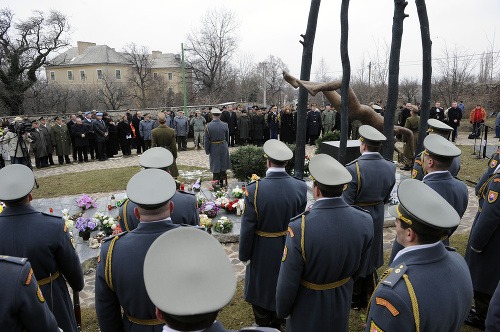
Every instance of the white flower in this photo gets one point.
(113, 227)
(104, 222)
(65, 211)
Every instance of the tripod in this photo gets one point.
(21, 144)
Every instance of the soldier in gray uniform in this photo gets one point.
(23, 307)
(326, 249)
(216, 145)
(119, 284)
(493, 318)
(43, 239)
(185, 204)
(438, 128)
(373, 178)
(438, 155)
(428, 286)
(270, 203)
(167, 279)
(492, 165)
(482, 249)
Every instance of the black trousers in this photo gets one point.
(82, 153)
(362, 290)
(264, 317)
(101, 150)
(92, 148)
(61, 159)
(481, 303)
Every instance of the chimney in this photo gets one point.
(82, 46)
(155, 54)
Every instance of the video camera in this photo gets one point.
(22, 127)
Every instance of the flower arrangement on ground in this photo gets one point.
(197, 185)
(223, 225)
(200, 198)
(85, 202)
(85, 225)
(205, 221)
(210, 209)
(237, 192)
(220, 193)
(231, 206)
(214, 185)
(306, 165)
(67, 218)
(106, 223)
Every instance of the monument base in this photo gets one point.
(331, 148)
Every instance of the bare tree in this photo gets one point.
(455, 75)
(248, 80)
(210, 49)
(24, 48)
(141, 76)
(409, 88)
(113, 94)
(273, 68)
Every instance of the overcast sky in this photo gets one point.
(273, 27)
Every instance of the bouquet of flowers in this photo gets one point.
(220, 193)
(237, 192)
(214, 185)
(117, 230)
(200, 198)
(106, 223)
(85, 224)
(205, 221)
(223, 225)
(221, 201)
(231, 206)
(85, 202)
(197, 185)
(67, 218)
(210, 209)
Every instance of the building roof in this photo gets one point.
(103, 54)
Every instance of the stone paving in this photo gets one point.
(198, 158)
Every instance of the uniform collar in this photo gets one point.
(18, 210)
(275, 170)
(420, 254)
(329, 202)
(437, 174)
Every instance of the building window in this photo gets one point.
(169, 76)
(99, 74)
(118, 74)
(52, 76)
(70, 75)
(155, 76)
(82, 75)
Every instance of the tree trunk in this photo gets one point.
(392, 91)
(305, 74)
(426, 72)
(346, 77)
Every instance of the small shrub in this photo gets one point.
(329, 136)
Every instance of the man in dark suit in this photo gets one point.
(373, 178)
(43, 239)
(313, 124)
(89, 123)
(101, 135)
(136, 122)
(438, 156)
(437, 112)
(119, 276)
(273, 122)
(45, 129)
(270, 204)
(23, 307)
(427, 287)
(326, 249)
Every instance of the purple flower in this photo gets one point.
(85, 202)
(85, 224)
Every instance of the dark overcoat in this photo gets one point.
(78, 131)
(270, 203)
(442, 287)
(373, 178)
(332, 244)
(185, 209)
(164, 137)
(244, 127)
(60, 139)
(46, 133)
(44, 240)
(216, 145)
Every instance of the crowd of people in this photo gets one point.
(306, 269)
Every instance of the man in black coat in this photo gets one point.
(313, 124)
(101, 135)
(437, 112)
(136, 122)
(233, 126)
(80, 139)
(89, 123)
(454, 117)
(70, 125)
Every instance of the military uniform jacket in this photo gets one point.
(44, 240)
(270, 203)
(492, 165)
(418, 173)
(46, 133)
(493, 318)
(330, 243)
(454, 191)
(314, 123)
(164, 137)
(60, 138)
(216, 139)
(442, 287)
(484, 242)
(126, 217)
(185, 209)
(125, 272)
(373, 178)
(23, 306)
(39, 145)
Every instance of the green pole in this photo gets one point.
(183, 78)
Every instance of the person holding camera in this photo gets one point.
(18, 148)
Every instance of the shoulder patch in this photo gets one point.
(418, 161)
(112, 236)
(493, 163)
(396, 274)
(383, 302)
(414, 173)
(492, 196)
(12, 259)
(28, 279)
(290, 231)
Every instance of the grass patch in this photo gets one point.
(471, 167)
(101, 181)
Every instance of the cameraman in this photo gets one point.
(16, 146)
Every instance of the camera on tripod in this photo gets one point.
(22, 127)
